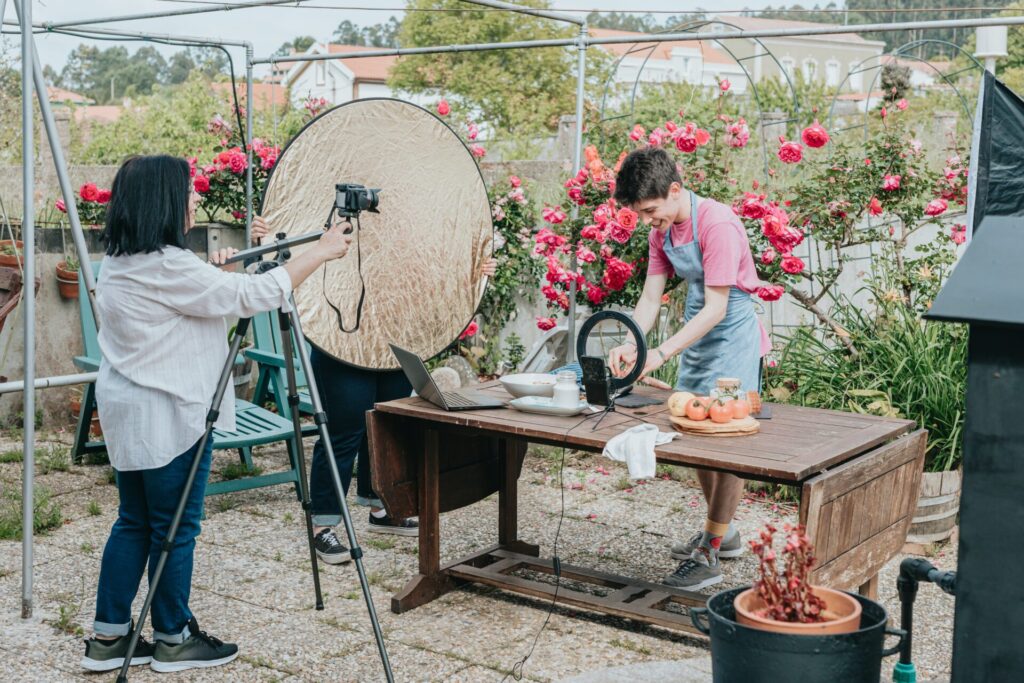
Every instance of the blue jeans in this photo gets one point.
(346, 392)
(149, 499)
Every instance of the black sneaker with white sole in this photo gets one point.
(329, 549)
(199, 651)
(400, 527)
(699, 571)
(107, 655)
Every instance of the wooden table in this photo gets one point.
(858, 477)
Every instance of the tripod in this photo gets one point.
(290, 324)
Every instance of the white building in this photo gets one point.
(339, 80)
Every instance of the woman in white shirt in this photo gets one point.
(163, 340)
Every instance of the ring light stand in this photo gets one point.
(601, 385)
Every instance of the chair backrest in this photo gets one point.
(89, 330)
(266, 336)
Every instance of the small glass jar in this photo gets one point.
(726, 388)
(566, 392)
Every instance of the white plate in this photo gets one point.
(544, 406)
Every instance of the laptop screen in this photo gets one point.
(416, 371)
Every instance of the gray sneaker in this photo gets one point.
(695, 573)
(200, 650)
(732, 546)
(107, 655)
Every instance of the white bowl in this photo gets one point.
(529, 384)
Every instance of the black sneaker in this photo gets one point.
(107, 655)
(199, 651)
(696, 573)
(329, 549)
(400, 527)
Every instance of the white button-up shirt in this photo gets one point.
(164, 343)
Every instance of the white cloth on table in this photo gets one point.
(635, 447)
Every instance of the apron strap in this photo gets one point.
(693, 218)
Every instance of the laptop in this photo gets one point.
(424, 386)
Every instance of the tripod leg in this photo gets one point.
(300, 451)
(357, 553)
(172, 532)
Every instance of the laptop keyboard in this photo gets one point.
(454, 399)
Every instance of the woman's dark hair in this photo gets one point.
(148, 205)
(646, 173)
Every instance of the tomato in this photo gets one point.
(678, 401)
(740, 408)
(697, 409)
(720, 412)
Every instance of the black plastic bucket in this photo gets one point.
(740, 654)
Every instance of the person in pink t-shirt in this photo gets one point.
(703, 242)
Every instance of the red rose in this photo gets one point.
(936, 207)
(752, 207)
(686, 143)
(472, 329)
(792, 265)
(791, 152)
(771, 292)
(545, 323)
(702, 137)
(626, 218)
(875, 207)
(595, 294)
(768, 256)
(815, 135)
(616, 274)
(619, 233)
(442, 108)
(202, 184)
(891, 182)
(88, 192)
(102, 196)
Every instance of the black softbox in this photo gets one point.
(996, 180)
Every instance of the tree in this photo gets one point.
(297, 44)
(623, 21)
(179, 67)
(108, 75)
(375, 35)
(515, 91)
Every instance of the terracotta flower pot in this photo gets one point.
(11, 259)
(95, 429)
(842, 614)
(67, 281)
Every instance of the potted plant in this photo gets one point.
(782, 625)
(10, 252)
(67, 277)
(75, 404)
(91, 203)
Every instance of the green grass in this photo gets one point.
(225, 503)
(46, 513)
(381, 543)
(65, 622)
(53, 458)
(629, 645)
(94, 509)
(623, 483)
(238, 470)
(10, 456)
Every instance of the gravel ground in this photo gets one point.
(252, 583)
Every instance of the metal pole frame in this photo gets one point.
(29, 298)
(225, 7)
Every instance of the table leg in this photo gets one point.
(430, 583)
(510, 463)
(869, 589)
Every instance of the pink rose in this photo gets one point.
(626, 217)
(576, 195)
(891, 182)
(545, 323)
(771, 292)
(443, 108)
(514, 181)
(875, 207)
(936, 207)
(724, 84)
(553, 216)
(592, 232)
(791, 152)
(585, 254)
(815, 135)
(902, 104)
(768, 256)
(192, 161)
(686, 143)
(239, 215)
(702, 137)
(619, 233)
(637, 133)
(617, 273)
(470, 330)
(477, 151)
(737, 134)
(792, 265)
(61, 206)
(88, 192)
(202, 184)
(472, 131)
(751, 207)
(958, 233)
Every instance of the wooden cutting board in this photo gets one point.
(747, 425)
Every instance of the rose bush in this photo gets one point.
(91, 204)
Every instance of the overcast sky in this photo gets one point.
(268, 27)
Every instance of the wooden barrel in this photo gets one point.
(937, 508)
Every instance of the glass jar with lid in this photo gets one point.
(566, 392)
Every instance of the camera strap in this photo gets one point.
(362, 283)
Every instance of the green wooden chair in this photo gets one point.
(255, 426)
(272, 380)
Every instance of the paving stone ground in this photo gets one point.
(252, 583)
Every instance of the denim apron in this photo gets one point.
(732, 348)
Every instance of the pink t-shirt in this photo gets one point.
(724, 247)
